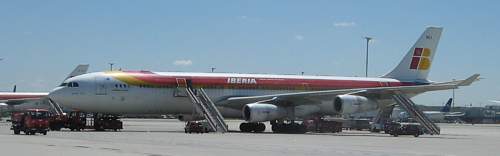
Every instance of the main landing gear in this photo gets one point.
(279, 126)
(252, 127)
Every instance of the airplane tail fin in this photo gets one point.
(416, 64)
(79, 70)
(447, 106)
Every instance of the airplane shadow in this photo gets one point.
(341, 134)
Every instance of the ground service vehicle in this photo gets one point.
(396, 129)
(323, 126)
(102, 122)
(76, 121)
(357, 124)
(30, 121)
(196, 127)
(56, 122)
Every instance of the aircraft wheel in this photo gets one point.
(260, 127)
(248, 127)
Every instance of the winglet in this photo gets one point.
(469, 80)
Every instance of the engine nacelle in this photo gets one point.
(348, 104)
(260, 112)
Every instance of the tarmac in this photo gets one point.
(166, 137)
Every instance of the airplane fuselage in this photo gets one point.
(145, 92)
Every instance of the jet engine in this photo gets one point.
(260, 112)
(348, 104)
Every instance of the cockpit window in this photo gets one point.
(72, 84)
(63, 84)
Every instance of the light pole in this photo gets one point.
(366, 61)
(453, 99)
(111, 66)
(213, 69)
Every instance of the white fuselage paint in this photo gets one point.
(97, 92)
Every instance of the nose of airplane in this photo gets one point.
(56, 95)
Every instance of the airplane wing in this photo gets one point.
(454, 114)
(10, 98)
(316, 97)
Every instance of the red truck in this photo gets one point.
(30, 121)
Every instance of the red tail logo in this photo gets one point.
(421, 59)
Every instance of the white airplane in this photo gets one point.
(439, 116)
(254, 97)
(24, 100)
(495, 101)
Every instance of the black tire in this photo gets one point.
(261, 127)
(17, 132)
(245, 127)
(274, 128)
(44, 132)
(416, 135)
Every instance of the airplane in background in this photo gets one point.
(256, 98)
(12, 101)
(495, 101)
(439, 116)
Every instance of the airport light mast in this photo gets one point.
(366, 61)
(453, 101)
(111, 66)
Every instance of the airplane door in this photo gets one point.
(101, 88)
(180, 90)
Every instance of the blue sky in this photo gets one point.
(42, 41)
